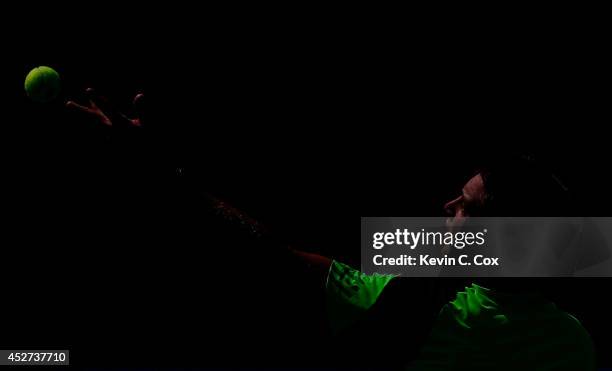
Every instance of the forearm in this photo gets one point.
(316, 264)
(236, 218)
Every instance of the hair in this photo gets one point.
(521, 186)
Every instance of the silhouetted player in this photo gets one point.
(503, 327)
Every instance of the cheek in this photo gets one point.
(460, 211)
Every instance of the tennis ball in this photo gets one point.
(42, 84)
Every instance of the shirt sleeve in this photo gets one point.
(350, 293)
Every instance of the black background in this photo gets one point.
(306, 124)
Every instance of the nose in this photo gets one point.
(450, 207)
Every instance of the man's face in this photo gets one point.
(471, 199)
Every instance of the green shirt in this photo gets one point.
(350, 293)
(479, 330)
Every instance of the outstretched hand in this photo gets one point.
(106, 116)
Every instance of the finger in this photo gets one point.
(96, 112)
(125, 118)
(134, 122)
(91, 95)
(72, 104)
(105, 120)
(104, 113)
(139, 107)
(139, 100)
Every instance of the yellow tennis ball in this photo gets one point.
(42, 84)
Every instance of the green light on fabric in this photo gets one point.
(350, 293)
(471, 302)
